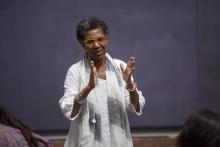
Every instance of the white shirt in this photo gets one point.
(71, 87)
(103, 103)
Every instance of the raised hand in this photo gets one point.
(80, 98)
(127, 72)
(92, 80)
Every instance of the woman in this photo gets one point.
(13, 133)
(98, 89)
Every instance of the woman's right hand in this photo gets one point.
(92, 80)
(85, 91)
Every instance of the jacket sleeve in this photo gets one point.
(71, 89)
(129, 105)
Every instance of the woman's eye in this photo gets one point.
(100, 39)
(89, 42)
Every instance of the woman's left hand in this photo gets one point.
(127, 72)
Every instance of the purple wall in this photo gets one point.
(175, 42)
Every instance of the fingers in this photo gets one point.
(93, 68)
(131, 62)
(91, 64)
(131, 65)
(92, 80)
(132, 58)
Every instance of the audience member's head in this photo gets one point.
(201, 129)
(13, 132)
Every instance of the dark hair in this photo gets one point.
(90, 23)
(201, 129)
(8, 119)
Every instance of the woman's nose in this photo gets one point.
(96, 44)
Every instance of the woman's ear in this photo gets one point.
(82, 44)
(106, 38)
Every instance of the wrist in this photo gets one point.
(131, 86)
(79, 99)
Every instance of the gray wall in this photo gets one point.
(175, 42)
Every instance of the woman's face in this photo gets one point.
(95, 43)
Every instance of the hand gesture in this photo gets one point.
(92, 80)
(127, 72)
